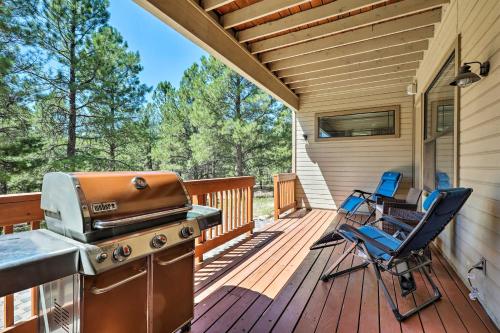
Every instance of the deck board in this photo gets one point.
(270, 282)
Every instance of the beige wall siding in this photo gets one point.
(476, 232)
(329, 171)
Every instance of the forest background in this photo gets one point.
(71, 99)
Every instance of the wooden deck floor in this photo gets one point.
(271, 283)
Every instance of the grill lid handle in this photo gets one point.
(99, 224)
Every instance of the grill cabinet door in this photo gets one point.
(173, 288)
(116, 301)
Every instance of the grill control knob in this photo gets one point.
(122, 252)
(101, 257)
(187, 232)
(158, 241)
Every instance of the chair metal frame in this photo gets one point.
(370, 203)
(415, 259)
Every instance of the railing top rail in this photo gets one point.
(283, 177)
(203, 186)
(20, 208)
(19, 197)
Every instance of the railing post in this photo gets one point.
(276, 197)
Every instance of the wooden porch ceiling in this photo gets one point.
(293, 48)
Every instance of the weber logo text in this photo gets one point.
(101, 207)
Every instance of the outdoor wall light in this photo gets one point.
(304, 136)
(465, 77)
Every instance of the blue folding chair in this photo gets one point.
(442, 181)
(387, 187)
(400, 257)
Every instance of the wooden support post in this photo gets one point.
(276, 198)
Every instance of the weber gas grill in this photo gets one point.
(135, 232)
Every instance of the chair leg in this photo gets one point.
(329, 272)
(399, 316)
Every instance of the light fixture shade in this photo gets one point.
(465, 79)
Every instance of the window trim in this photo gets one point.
(453, 49)
(397, 123)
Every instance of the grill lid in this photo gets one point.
(94, 205)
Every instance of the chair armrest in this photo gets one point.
(362, 192)
(396, 222)
(364, 238)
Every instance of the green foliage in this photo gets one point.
(219, 124)
(71, 100)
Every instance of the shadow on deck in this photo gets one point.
(270, 282)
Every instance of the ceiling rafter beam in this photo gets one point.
(350, 49)
(214, 4)
(354, 59)
(358, 35)
(318, 13)
(363, 80)
(362, 74)
(373, 16)
(256, 11)
(357, 67)
(365, 86)
(189, 19)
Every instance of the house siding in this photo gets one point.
(328, 171)
(476, 231)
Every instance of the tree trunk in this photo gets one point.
(71, 146)
(3, 187)
(112, 146)
(238, 145)
(149, 157)
(112, 156)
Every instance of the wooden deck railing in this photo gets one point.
(233, 195)
(284, 193)
(22, 210)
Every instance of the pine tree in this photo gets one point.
(115, 100)
(19, 144)
(59, 32)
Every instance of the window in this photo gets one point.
(439, 133)
(379, 122)
(445, 112)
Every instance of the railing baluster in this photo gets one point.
(250, 205)
(224, 217)
(239, 208)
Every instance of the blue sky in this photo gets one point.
(165, 53)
